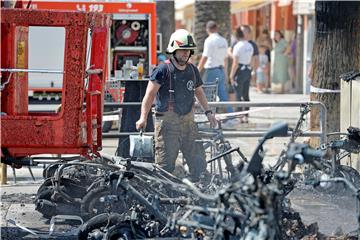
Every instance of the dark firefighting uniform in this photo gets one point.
(175, 128)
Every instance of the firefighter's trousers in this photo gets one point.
(175, 132)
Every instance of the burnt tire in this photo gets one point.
(43, 203)
(49, 208)
(126, 230)
(91, 204)
(351, 174)
(50, 170)
(98, 223)
(71, 187)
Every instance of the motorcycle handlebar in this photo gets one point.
(310, 153)
(303, 153)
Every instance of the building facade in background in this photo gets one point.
(292, 18)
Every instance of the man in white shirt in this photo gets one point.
(255, 58)
(240, 74)
(214, 60)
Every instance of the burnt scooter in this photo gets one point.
(252, 207)
(245, 208)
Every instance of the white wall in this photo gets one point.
(350, 113)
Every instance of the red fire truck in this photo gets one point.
(132, 38)
(76, 127)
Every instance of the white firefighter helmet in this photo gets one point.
(181, 39)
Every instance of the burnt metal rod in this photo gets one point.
(223, 154)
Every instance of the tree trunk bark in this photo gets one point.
(165, 14)
(336, 50)
(218, 11)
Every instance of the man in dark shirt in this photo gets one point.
(175, 84)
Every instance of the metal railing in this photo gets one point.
(321, 133)
(20, 70)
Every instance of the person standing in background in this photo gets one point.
(240, 75)
(255, 58)
(231, 89)
(263, 69)
(280, 64)
(291, 53)
(214, 61)
(265, 40)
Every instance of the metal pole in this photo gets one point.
(19, 70)
(3, 173)
(230, 134)
(323, 116)
(358, 213)
(232, 103)
(323, 110)
(299, 54)
(114, 80)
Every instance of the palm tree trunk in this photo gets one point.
(336, 50)
(165, 14)
(218, 11)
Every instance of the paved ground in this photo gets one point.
(329, 211)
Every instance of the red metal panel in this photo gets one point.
(97, 83)
(7, 49)
(20, 82)
(66, 132)
(14, 44)
(45, 132)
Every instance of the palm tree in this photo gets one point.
(336, 50)
(165, 14)
(218, 11)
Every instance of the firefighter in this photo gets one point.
(174, 84)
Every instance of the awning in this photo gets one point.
(247, 5)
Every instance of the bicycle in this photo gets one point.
(332, 166)
(295, 133)
(214, 141)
